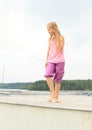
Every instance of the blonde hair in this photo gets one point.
(54, 26)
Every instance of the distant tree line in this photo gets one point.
(41, 85)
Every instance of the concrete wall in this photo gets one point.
(24, 117)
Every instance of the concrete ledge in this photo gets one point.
(72, 102)
(24, 110)
(33, 112)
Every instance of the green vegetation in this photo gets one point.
(41, 85)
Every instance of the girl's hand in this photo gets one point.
(46, 64)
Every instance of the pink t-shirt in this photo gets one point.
(55, 56)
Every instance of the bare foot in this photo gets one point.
(56, 100)
(50, 99)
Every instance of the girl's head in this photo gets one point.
(52, 28)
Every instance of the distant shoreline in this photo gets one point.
(30, 92)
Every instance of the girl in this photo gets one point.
(54, 61)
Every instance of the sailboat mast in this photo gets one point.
(3, 74)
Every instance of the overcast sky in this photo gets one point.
(24, 37)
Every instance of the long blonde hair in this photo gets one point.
(56, 31)
(55, 28)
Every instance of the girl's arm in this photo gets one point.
(60, 43)
(47, 52)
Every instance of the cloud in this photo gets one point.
(24, 38)
(15, 29)
(78, 62)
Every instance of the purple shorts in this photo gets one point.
(55, 70)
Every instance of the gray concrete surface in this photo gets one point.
(68, 100)
(29, 110)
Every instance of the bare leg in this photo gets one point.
(57, 89)
(51, 87)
